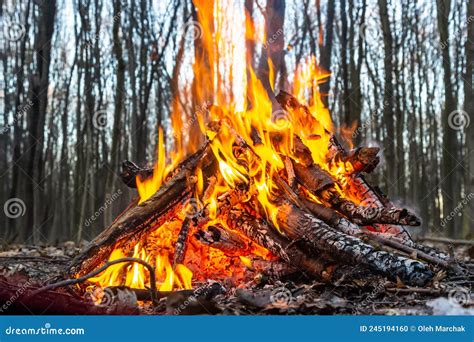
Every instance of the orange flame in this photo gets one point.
(243, 107)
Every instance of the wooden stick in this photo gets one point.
(361, 159)
(392, 242)
(447, 240)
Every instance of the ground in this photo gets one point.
(357, 292)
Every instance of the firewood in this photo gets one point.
(300, 151)
(321, 184)
(194, 218)
(140, 219)
(300, 225)
(130, 172)
(371, 196)
(333, 219)
(218, 237)
(260, 232)
(273, 268)
(413, 250)
(180, 248)
(362, 159)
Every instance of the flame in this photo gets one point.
(148, 187)
(243, 147)
(246, 261)
(135, 275)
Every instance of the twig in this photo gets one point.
(409, 250)
(82, 279)
(447, 240)
(414, 290)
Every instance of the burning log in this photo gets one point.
(362, 159)
(320, 183)
(358, 186)
(180, 248)
(369, 195)
(261, 233)
(422, 252)
(300, 225)
(139, 219)
(223, 239)
(130, 172)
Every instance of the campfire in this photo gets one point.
(267, 187)
(270, 190)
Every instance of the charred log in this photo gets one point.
(263, 234)
(130, 172)
(362, 159)
(139, 219)
(227, 241)
(299, 225)
(320, 183)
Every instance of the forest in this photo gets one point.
(86, 84)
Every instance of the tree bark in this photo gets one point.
(388, 101)
(300, 225)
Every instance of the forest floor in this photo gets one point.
(359, 292)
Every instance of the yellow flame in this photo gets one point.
(246, 261)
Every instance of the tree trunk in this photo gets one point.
(449, 185)
(388, 102)
(119, 103)
(469, 108)
(36, 117)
